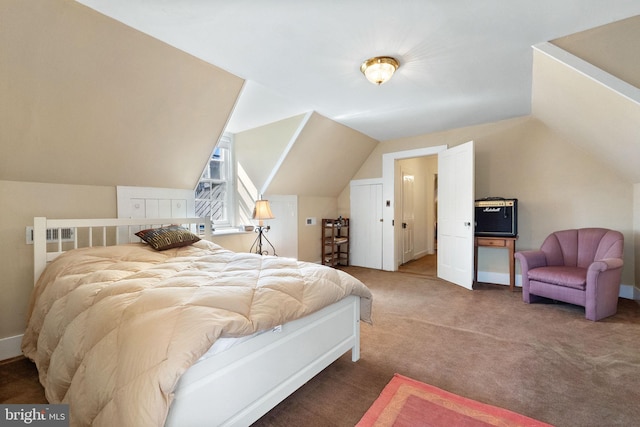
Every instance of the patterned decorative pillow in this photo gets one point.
(163, 238)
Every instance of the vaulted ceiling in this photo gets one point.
(90, 100)
(587, 88)
(462, 62)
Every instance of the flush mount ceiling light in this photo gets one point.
(379, 69)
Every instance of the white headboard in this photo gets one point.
(99, 232)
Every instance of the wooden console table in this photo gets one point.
(498, 242)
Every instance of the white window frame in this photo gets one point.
(229, 173)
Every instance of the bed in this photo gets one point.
(127, 334)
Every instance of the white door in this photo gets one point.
(408, 216)
(365, 225)
(456, 214)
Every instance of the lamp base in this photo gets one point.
(258, 243)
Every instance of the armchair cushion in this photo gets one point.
(571, 277)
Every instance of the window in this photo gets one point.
(215, 190)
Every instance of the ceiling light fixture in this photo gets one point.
(379, 69)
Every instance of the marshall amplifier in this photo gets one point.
(496, 217)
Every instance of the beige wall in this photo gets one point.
(319, 162)
(343, 202)
(310, 236)
(21, 201)
(88, 100)
(237, 242)
(558, 186)
(87, 104)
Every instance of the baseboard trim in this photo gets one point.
(422, 253)
(626, 291)
(496, 278)
(10, 347)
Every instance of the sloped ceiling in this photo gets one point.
(88, 100)
(324, 157)
(612, 48)
(463, 62)
(260, 150)
(591, 107)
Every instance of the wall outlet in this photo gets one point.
(311, 221)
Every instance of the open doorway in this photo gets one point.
(416, 192)
(455, 210)
(426, 265)
(391, 179)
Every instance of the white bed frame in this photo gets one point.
(239, 385)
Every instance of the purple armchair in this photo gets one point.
(581, 267)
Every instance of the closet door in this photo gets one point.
(365, 224)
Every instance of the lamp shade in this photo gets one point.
(262, 210)
(379, 69)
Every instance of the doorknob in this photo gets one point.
(404, 225)
(467, 224)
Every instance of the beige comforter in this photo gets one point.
(112, 329)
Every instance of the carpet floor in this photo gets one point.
(544, 361)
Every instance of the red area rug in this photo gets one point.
(410, 403)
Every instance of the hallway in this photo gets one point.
(424, 266)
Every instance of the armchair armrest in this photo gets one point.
(603, 288)
(606, 264)
(531, 259)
